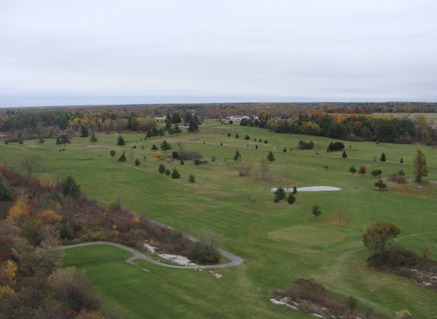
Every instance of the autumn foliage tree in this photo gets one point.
(420, 167)
(377, 236)
(362, 170)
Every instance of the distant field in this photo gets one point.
(279, 242)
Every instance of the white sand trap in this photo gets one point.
(310, 189)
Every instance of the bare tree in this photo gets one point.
(30, 163)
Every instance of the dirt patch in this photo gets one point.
(336, 222)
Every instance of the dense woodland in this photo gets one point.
(350, 121)
(35, 217)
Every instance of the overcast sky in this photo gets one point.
(75, 52)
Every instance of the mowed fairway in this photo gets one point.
(279, 242)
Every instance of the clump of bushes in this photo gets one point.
(398, 177)
(312, 297)
(336, 146)
(306, 146)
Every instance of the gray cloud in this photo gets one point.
(312, 50)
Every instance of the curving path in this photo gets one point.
(235, 260)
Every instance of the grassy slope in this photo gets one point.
(263, 233)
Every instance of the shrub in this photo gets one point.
(196, 161)
(189, 155)
(237, 136)
(5, 193)
(205, 251)
(352, 170)
(158, 155)
(247, 137)
(336, 146)
(112, 153)
(376, 172)
(306, 146)
(137, 162)
(245, 168)
(167, 172)
(291, 199)
(73, 288)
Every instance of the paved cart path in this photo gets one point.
(235, 260)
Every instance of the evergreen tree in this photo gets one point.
(270, 157)
(154, 147)
(352, 169)
(380, 184)
(191, 179)
(167, 172)
(247, 137)
(175, 174)
(122, 158)
(165, 146)
(237, 156)
(63, 140)
(382, 159)
(284, 150)
(137, 162)
(83, 131)
(177, 129)
(70, 187)
(120, 140)
(316, 211)
(236, 135)
(161, 168)
(93, 138)
(344, 155)
(279, 194)
(291, 199)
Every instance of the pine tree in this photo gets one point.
(237, 156)
(161, 168)
(154, 148)
(382, 159)
(344, 155)
(93, 138)
(120, 140)
(270, 157)
(175, 174)
(122, 158)
(191, 179)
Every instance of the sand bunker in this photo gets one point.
(310, 189)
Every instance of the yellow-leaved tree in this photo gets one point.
(19, 212)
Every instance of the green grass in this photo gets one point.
(268, 236)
